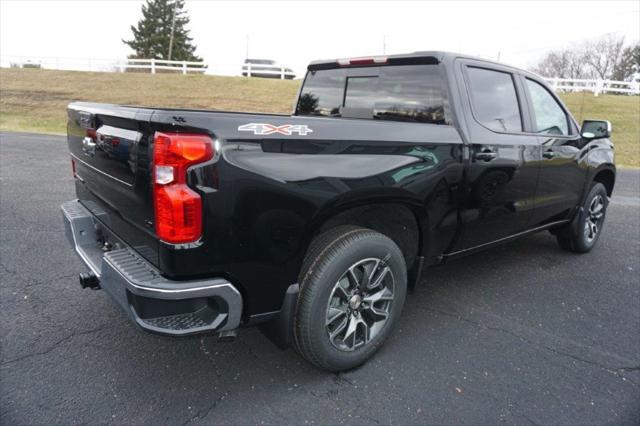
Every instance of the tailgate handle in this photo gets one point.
(89, 146)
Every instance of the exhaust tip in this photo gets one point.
(89, 280)
(227, 336)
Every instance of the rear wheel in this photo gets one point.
(583, 237)
(353, 286)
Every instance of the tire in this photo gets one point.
(336, 297)
(582, 236)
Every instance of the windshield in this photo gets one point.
(400, 93)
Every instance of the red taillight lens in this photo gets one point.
(178, 209)
(73, 167)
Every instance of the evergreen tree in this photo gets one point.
(629, 63)
(152, 35)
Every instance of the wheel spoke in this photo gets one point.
(365, 330)
(340, 292)
(384, 294)
(350, 334)
(598, 207)
(353, 278)
(376, 283)
(339, 329)
(377, 312)
(368, 273)
(334, 314)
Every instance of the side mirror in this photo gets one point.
(595, 129)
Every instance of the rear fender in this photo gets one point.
(361, 207)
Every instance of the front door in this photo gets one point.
(562, 176)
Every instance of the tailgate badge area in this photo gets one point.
(270, 129)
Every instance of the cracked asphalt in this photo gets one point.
(521, 334)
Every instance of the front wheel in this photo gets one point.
(353, 287)
(583, 237)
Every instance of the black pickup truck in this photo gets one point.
(313, 226)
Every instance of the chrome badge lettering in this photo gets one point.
(270, 129)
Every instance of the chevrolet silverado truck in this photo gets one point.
(313, 226)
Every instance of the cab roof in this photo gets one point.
(421, 57)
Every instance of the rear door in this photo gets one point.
(504, 160)
(562, 176)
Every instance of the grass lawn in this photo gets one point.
(624, 114)
(35, 100)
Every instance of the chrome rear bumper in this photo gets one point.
(154, 303)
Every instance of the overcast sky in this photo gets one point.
(296, 32)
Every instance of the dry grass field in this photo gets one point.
(35, 100)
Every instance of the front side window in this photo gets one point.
(413, 93)
(550, 118)
(494, 98)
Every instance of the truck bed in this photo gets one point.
(274, 178)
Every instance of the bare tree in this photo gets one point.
(603, 54)
(605, 58)
(567, 63)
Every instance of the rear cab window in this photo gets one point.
(412, 93)
(494, 99)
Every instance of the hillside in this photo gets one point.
(35, 100)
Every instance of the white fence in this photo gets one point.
(154, 65)
(118, 65)
(595, 86)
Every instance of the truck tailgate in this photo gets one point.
(110, 151)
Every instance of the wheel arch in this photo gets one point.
(606, 175)
(399, 217)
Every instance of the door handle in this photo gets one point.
(548, 154)
(485, 155)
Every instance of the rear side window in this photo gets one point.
(399, 93)
(550, 118)
(494, 99)
(322, 93)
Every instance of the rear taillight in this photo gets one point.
(178, 209)
(73, 167)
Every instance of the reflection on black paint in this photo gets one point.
(489, 193)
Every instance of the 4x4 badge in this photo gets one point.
(270, 129)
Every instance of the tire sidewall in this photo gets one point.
(326, 276)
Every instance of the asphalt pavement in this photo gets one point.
(524, 333)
